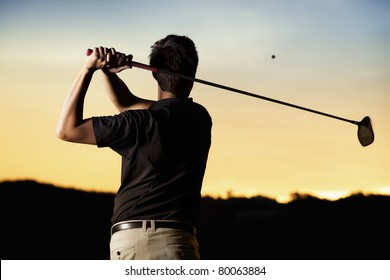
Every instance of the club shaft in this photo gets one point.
(157, 70)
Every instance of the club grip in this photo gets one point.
(132, 63)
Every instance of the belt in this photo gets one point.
(149, 224)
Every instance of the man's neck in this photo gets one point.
(165, 94)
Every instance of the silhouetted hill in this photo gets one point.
(41, 221)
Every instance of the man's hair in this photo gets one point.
(176, 54)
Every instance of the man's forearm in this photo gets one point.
(118, 92)
(121, 96)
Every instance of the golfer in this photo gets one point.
(164, 146)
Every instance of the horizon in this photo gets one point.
(229, 195)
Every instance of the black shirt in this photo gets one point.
(164, 151)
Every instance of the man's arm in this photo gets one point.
(120, 95)
(71, 125)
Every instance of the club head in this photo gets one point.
(365, 132)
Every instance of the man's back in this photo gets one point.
(164, 152)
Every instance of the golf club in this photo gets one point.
(365, 130)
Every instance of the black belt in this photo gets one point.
(158, 224)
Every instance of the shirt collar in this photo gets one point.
(168, 102)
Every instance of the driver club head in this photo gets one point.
(365, 132)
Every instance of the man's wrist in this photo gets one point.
(87, 71)
(108, 73)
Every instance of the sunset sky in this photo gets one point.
(332, 56)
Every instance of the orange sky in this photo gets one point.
(332, 57)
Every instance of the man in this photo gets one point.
(164, 146)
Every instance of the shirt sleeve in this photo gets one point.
(123, 130)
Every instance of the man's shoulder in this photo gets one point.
(134, 115)
(201, 109)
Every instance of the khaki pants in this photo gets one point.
(154, 244)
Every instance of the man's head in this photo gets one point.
(176, 54)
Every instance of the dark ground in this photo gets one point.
(43, 222)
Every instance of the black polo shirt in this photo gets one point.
(164, 151)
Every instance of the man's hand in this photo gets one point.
(108, 60)
(117, 61)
